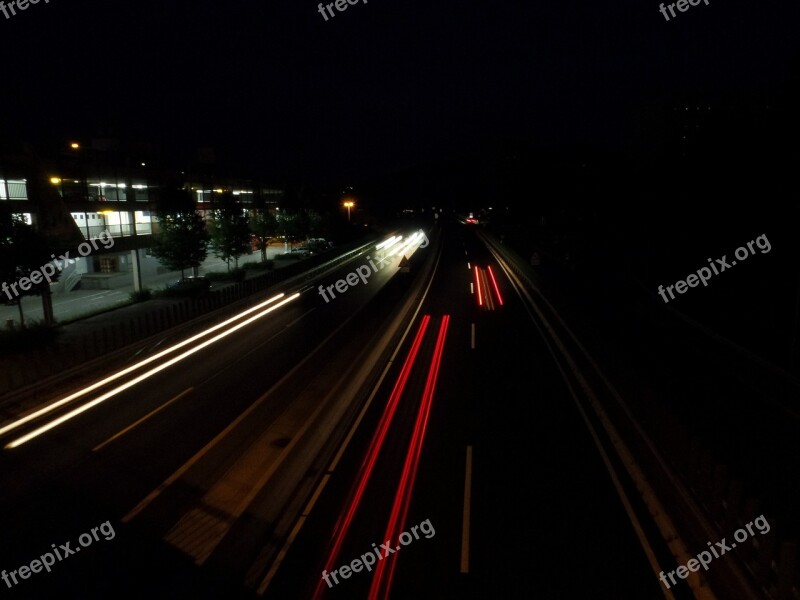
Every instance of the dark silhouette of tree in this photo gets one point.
(263, 224)
(287, 226)
(182, 240)
(23, 255)
(316, 224)
(230, 229)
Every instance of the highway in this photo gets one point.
(290, 439)
(540, 506)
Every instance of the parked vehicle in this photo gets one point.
(318, 245)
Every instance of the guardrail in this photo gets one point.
(35, 367)
(772, 563)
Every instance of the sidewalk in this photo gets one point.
(105, 336)
(71, 305)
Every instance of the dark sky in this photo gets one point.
(273, 86)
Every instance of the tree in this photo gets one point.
(230, 229)
(263, 225)
(182, 241)
(287, 226)
(24, 255)
(316, 226)
(302, 224)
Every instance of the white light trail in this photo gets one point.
(81, 409)
(134, 367)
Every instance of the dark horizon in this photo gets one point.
(383, 86)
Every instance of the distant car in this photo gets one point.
(300, 252)
(191, 285)
(318, 245)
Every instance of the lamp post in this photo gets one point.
(348, 205)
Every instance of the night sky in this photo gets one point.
(385, 85)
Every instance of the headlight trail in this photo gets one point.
(387, 242)
(81, 409)
(394, 241)
(134, 367)
(408, 243)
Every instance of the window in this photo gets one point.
(13, 189)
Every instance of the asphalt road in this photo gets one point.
(544, 518)
(225, 473)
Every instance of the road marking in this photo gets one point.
(98, 384)
(473, 336)
(142, 420)
(267, 580)
(300, 317)
(465, 521)
(382, 580)
(471, 288)
(292, 535)
(662, 519)
(100, 399)
(469, 268)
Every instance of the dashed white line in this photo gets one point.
(142, 420)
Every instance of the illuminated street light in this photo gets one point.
(74, 145)
(55, 180)
(348, 205)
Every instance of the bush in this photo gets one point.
(141, 295)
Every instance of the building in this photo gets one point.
(79, 192)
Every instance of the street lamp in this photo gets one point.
(348, 205)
